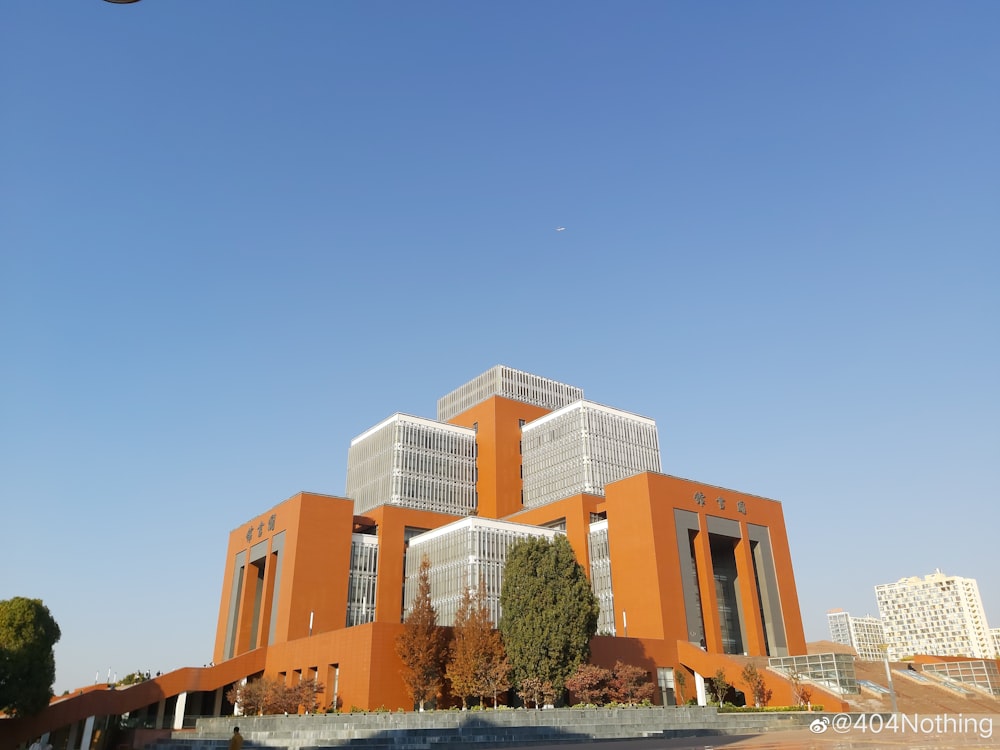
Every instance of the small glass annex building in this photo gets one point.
(688, 574)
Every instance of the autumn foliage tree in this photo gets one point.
(536, 691)
(422, 646)
(266, 695)
(800, 691)
(626, 683)
(589, 684)
(758, 688)
(496, 673)
(631, 684)
(477, 664)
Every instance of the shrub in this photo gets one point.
(269, 696)
(590, 684)
(631, 684)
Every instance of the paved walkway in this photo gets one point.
(806, 740)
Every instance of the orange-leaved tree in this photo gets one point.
(631, 684)
(589, 684)
(266, 695)
(422, 645)
(495, 677)
(478, 665)
(461, 670)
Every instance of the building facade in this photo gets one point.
(581, 448)
(939, 614)
(325, 582)
(461, 555)
(415, 463)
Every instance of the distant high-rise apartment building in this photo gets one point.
(939, 614)
(865, 635)
(839, 622)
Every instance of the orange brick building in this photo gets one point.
(688, 570)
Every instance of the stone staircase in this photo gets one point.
(927, 696)
(457, 730)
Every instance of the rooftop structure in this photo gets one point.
(413, 462)
(506, 382)
(583, 447)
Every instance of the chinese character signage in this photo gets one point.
(259, 528)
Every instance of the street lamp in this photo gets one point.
(888, 676)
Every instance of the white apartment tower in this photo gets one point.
(939, 614)
(865, 635)
(839, 622)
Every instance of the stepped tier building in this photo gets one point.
(323, 583)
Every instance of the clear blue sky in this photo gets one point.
(235, 235)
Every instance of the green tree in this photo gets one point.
(719, 685)
(27, 664)
(549, 611)
(133, 678)
(422, 646)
